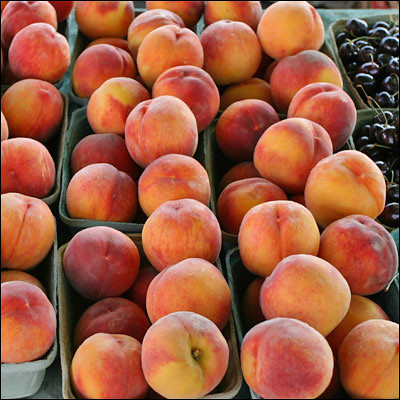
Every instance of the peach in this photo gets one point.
(106, 148)
(195, 87)
(241, 125)
(369, 360)
(243, 170)
(239, 197)
(287, 28)
(160, 126)
(272, 231)
(288, 151)
(16, 275)
(330, 107)
(63, 9)
(96, 19)
(101, 192)
(28, 230)
(184, 355)
(110, 104)
(363, 251)
(117, 42)
(232, 52)
(294, 72)
(108, 366)
(172, 177)
(39, 51)
(284, 358)
(250, 304)
(189, 11)
(188, 286)
(269, 70)
(26, 167)
(96, 64)
(145, 23)
(101, 262)
(253, 88)
(45, 105)
(343, 184)
(167, 47)
(328, 294)
(181, 229)
(4, 128)
(3, 4)
(28, 322)
(248, 12)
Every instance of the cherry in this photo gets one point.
(348, 52)
(390, 83)
(366, 53)
(390, 215)
(341, 37)
(393, 65)
(382, 59)
(392, 193)
(357, 27)
(366, 81)
(383, 117)
(381, 24)
(362, 141)
(370, 68)
(385, 100)
(389, 45)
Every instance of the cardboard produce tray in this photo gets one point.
(72, 305)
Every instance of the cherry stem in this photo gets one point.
(390, 283)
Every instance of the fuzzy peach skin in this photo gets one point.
(108, 366)
(241, 125)
(98, 19)
(369, 360)
(361, 309)
(28, 322)
(101, 262)
(288, 27)
(16, 275)
(39, 51)
(145, 23)
(328, 294)
(101, 192)
(189, 11)
(253, 88)
(240, 196)
(96, 64)
(160, 126)
(294, 72)
(184, 355)
(344, 184)
(20, 14)
(284, 358)
(26, 167)
(287, 151)
(63, 9)
(167, 47)
(28, 230)
(250, 304)
(363, 251)
(188, 286)
(106, 148)
(243, 170)
(330, 107)
(117, 42)
(195, 87)
(45, 105)
(181, 229)
(272, 231)
(232, 52)
(4, 128)
(113, 315)
(110, 104)
(172, 177)
(248, 12)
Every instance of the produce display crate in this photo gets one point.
(338, 26)
(24, 379)
(72, 305)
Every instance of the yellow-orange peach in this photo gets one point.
(63, 9)
(181, 229)
(4, 127)
(17, 275)
(344, 184)
(117, 42)
(369, 360)
(232, 52)
(288, 151)
(98, 19)
(28, 230)
(284, 358)
(101, 192)
(294, 72)
(250, 305)
(184, 355)
(28, 322)
(172, 177)
(272, 231)
(108, 366)
(243, 170)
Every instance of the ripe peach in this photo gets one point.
(288, 151)
(181, 229)
(28, 230)
(232, 52)
(343, 184)
(269, 70)
(16, 275)
(250, 305)
(272, 231)
(4, 127)
(243, 170)
(117, 42)
(63, 9)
